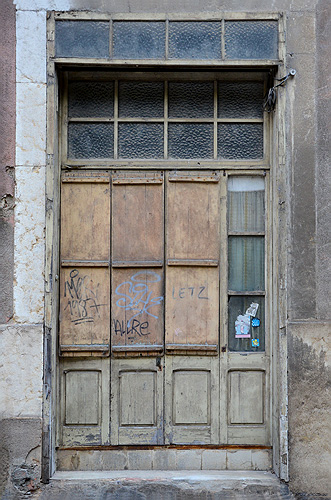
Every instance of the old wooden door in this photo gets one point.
(162, 291)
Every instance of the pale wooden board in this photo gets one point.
(138, 218)
(192, 305)
(85, 214)
(84, 306)
(137, 307)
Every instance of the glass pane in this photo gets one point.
(91, 99)
(190, 140)
(246, 203)
(240, 99)
(141, 99)
(91, 140)
(240, 141)
(82, 39)
(140, 140)
(194, 40)
(251, 40)
(246, 263)
(191, 99)
(139, 40)
(246, 333)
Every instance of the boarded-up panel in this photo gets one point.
(191, 404)
(137, 310)
(84, 308)
(192, 312)
(82, 397)
(246, 405)
(85, 215)
(193, 218)
(85, 254)
(137, 398)
(138, 219)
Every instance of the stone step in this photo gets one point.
(165, 485)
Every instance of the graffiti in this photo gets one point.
(135, 295)
(199, 292)
(137, 328)
(82, 300)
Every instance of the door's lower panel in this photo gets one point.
(166, 458)
(137, 400)
(191, 400)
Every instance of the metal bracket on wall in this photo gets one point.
(271, 96)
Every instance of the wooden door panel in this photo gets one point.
(193, 217)
(84, 309)
(84, 402)
(85, 213)
(137, 401)
(191, 400)
(192, 312)
(137, 311)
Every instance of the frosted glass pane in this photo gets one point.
(194, 40)
(91, 140)
(140, 140)
(82, 39)
(190, 140)
(251, 40)
(238, 306)
(91, 99)
(191, 99)
(240, 141)
(246, 204)
(246, 263)
(141, 99)
(139, 40)
(240, 99)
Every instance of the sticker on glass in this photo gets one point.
(252, 310)
(242, 326)
(255, 322)
(255, 342)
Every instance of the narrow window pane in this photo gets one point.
(240, 99)
(246, 263)
(82, 39)
(141, 99)
(138, 40)
(241, 323)
(140, 140)
(91, 140)
(190, 140)
(194, 40)
(240, 141)
(91, 99)
(191, 99)
(246, 204)
(251, 40)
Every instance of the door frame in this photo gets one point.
(279, 214)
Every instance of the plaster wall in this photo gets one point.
(306, 204)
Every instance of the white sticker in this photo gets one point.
(252, 310)
(242, 326)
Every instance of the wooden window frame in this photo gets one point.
(275, 168)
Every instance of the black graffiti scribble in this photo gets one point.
(137, 328)
(82, 301)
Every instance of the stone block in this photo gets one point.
(239, 460)
(301, 33)
(261, 459)
(113, 460)
(29, 245)
(30, 124)
(188, 459)
(140, 460)
(31, 47)
(21, 371)
(214, 459)
(164, 460)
